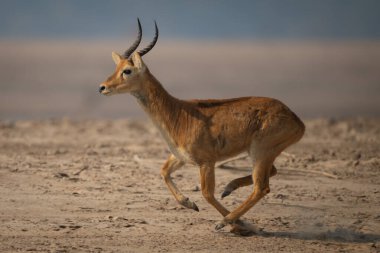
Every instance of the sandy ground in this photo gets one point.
(94, 186)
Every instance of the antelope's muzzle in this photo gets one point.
(102, 88)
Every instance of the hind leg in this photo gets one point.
(242, 181)
(264, 153)
(260, 176)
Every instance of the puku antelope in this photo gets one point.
(203, 132)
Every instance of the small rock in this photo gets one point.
(357, 156)
(111, 167)
(91, 152)
(61, 175)
(311, 158)
(74, 227)
(195, 188)
(142, 222)
(103, 145)
(60, 151)
(280, 196)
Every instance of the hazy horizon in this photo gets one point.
(322, 58)
(50, 79)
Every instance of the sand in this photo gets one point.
(94, 186)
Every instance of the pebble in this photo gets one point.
(91, 152)
(357, 156)
(196, 188)
(311, 158)
(280, 196)
(61, 175)
(60, 151)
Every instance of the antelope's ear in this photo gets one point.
(116, 57)
(137, 61)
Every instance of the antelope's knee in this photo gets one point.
(164, 174)
(207, 195)
(261, 191)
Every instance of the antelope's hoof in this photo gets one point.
(229, 189)
(226, 193)
(220, 225)
(189, 204)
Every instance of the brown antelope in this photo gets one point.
(203, 132)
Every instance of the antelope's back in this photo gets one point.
(246, 116)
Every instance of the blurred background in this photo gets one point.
(322, 58)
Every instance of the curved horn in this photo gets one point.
(151, 45)
(132, 48)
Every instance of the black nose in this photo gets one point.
(102, 88)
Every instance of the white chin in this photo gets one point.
(107, 93)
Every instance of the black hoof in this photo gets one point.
(225, 193)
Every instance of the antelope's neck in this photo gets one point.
(164, 110)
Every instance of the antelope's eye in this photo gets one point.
(127, 71)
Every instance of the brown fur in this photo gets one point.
(203, 132)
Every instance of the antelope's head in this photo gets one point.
(130, 68)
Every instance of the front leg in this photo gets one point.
(207, 172)
(171, 165)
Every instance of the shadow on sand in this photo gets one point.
(339, 235)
